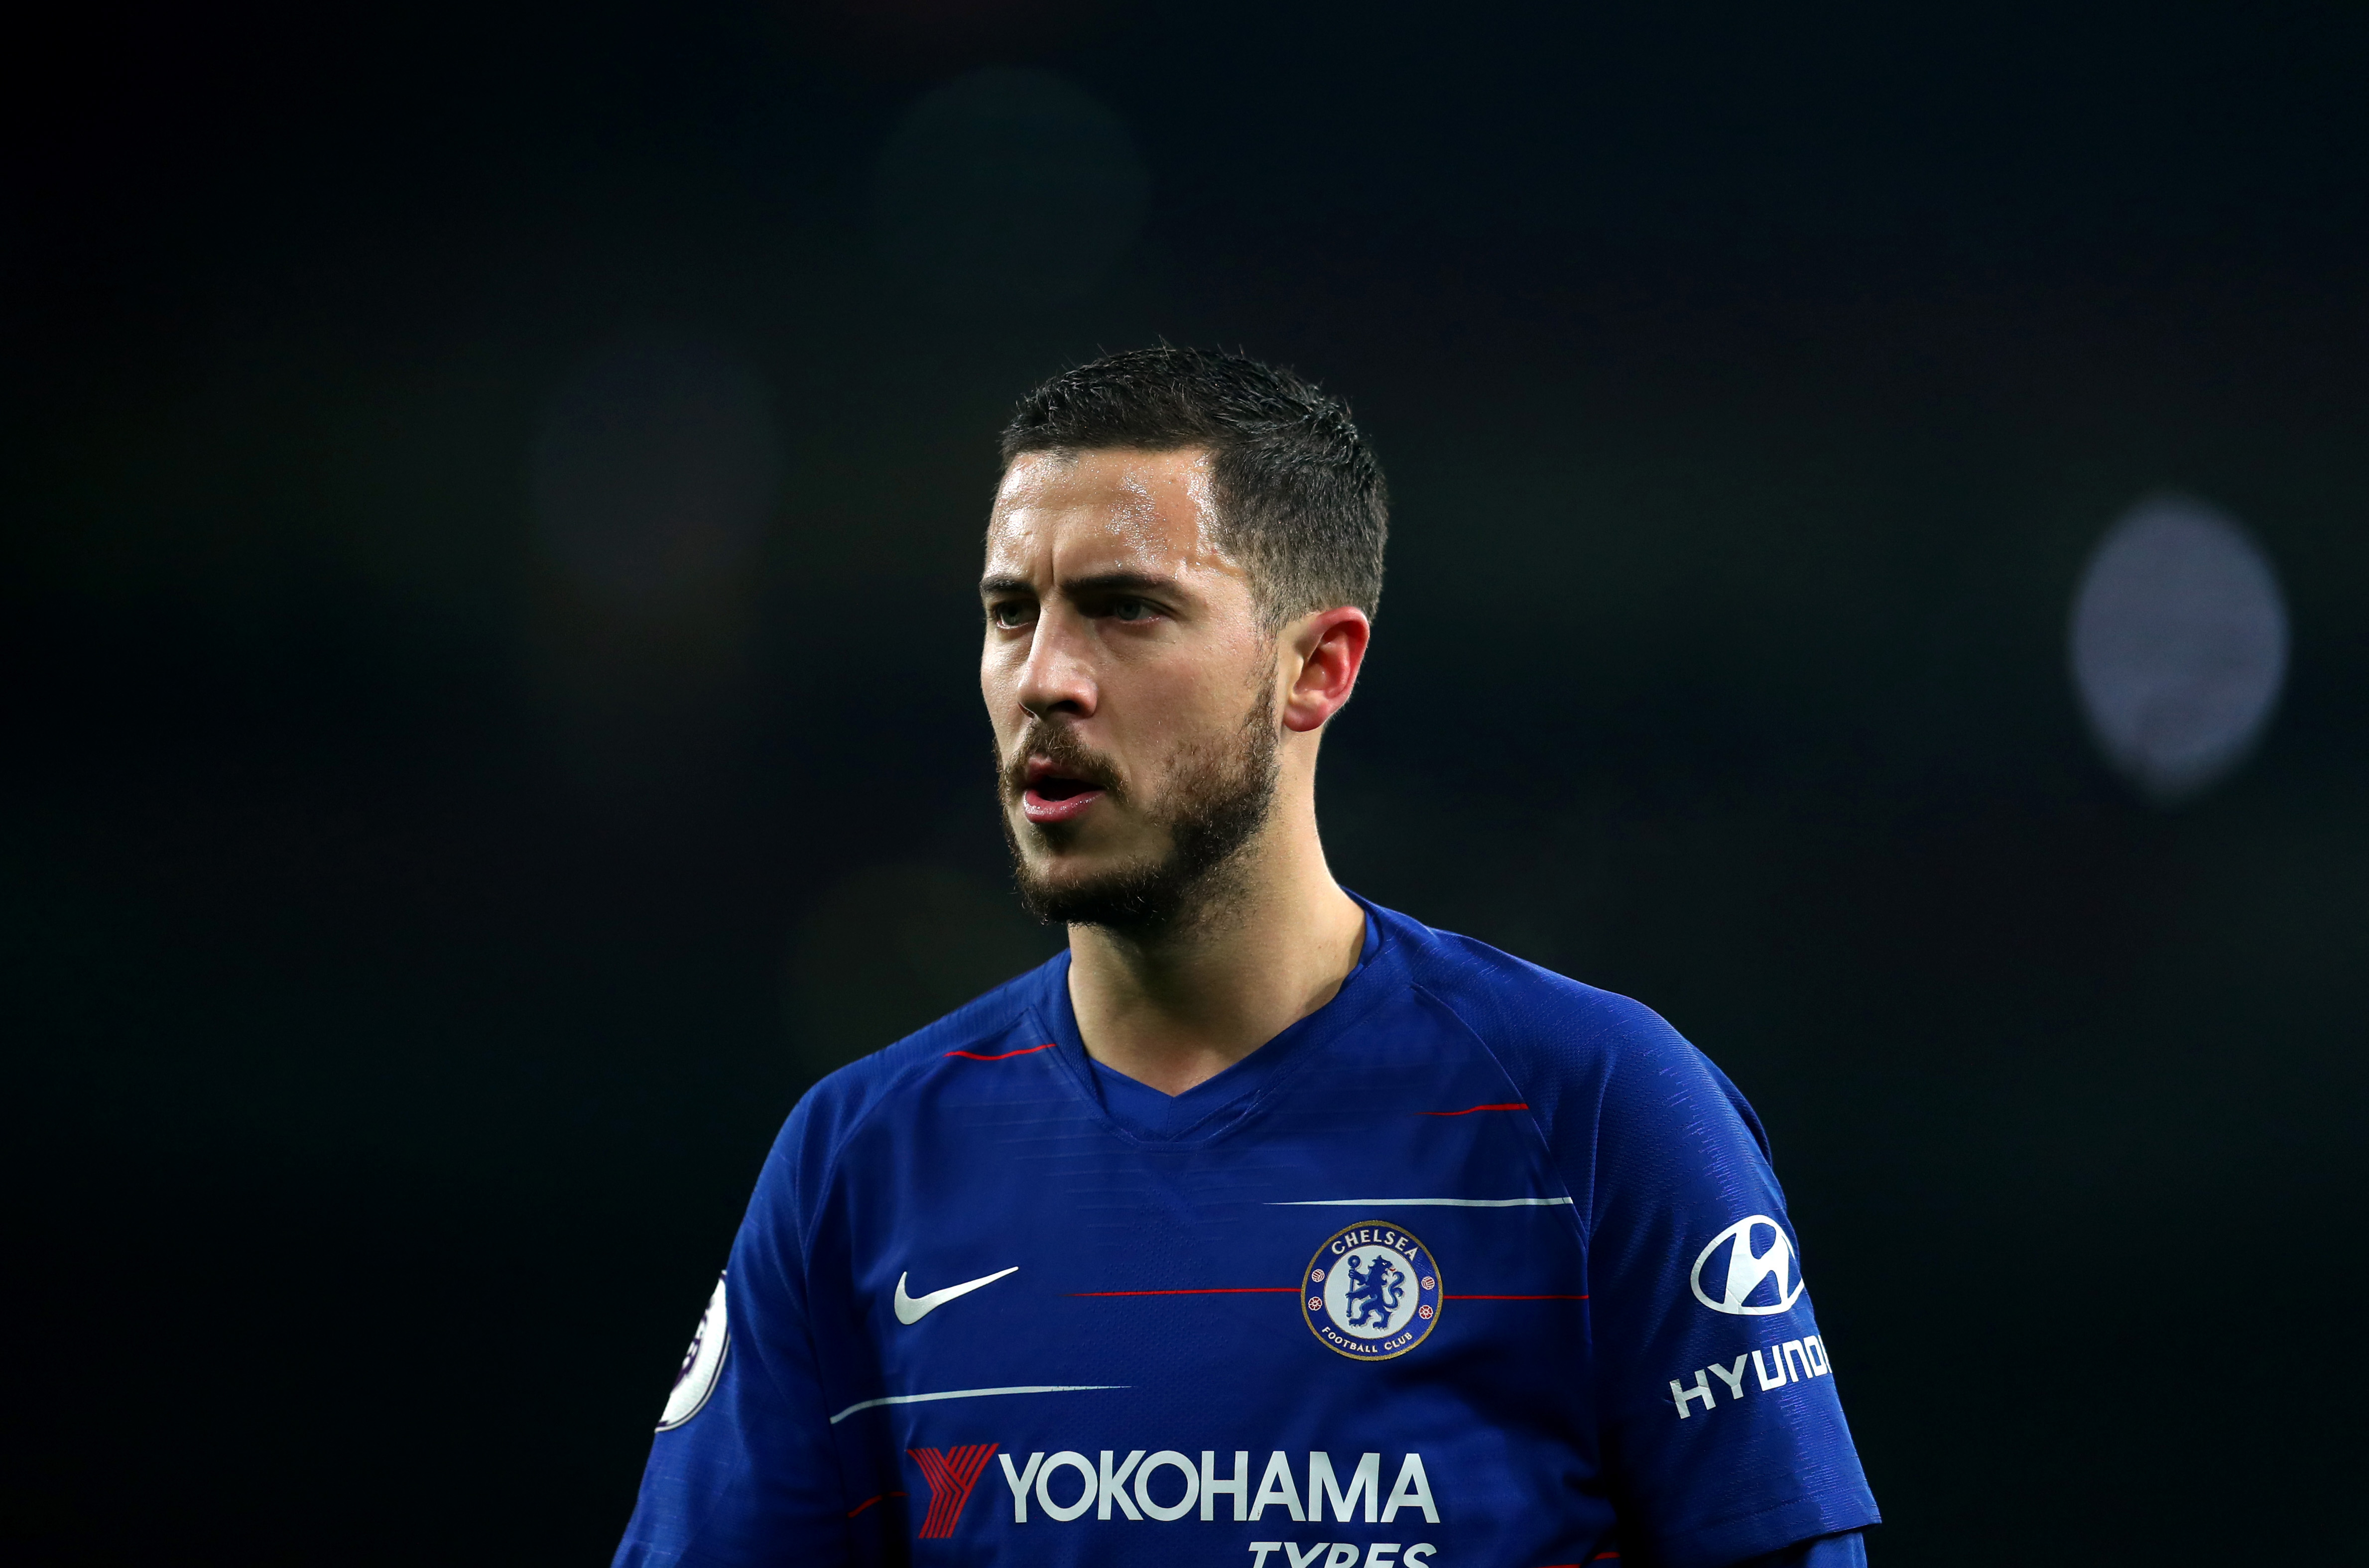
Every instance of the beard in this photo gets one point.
(1220, 792)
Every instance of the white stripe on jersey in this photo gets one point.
(971, 1393)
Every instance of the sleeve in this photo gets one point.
(742, 1471)
(1721, 1428)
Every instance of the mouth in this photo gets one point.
(1051, 796)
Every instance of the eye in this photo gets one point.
(1132, 610)
(1010, 613)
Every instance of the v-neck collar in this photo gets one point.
(1208, 1108)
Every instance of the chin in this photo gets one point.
(1064, 881)
(1067, 875)
(1080, 889)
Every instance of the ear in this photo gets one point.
(1320, 657)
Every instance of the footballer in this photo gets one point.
(1263, 1227)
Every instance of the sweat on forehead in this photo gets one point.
(1142, 504)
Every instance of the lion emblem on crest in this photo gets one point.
(1373, 1292)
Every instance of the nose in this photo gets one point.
(1057, 677)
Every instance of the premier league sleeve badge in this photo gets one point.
(1371, 1292)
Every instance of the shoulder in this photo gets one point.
(884, 1084)
(1598, 1071)
(982, 1025)
(1520, 1007)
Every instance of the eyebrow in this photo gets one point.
(1102, 582)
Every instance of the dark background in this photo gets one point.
(417, 919)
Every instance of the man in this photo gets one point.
(1264, 1228)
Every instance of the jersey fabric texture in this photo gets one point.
(1474, 1265)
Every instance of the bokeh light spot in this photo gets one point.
(2179, 646)
(1008, 187)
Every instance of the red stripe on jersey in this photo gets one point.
(1516, 1297)
(1003, 1055)
(1204, 1290)
(869, 1501)
(1516, 1105)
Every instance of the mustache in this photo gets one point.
(1058, 745)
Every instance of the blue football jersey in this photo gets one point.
(1474, 1268)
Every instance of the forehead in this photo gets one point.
(1066, 513)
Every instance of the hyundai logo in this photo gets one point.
(1748, 1269)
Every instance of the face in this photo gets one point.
(1130, 683)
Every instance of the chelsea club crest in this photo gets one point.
(1371, 1291)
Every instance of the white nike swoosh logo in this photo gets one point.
(913, 1309)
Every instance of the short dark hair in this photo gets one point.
(1299, 498)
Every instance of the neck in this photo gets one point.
(1177, 1007)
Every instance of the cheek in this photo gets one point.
(997, 687)
(1189, 708)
